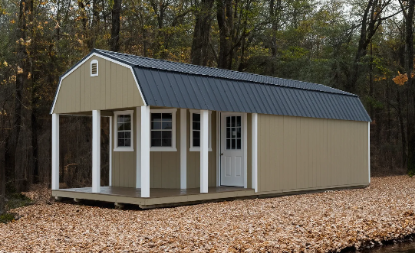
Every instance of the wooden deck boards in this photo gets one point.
(158, 196)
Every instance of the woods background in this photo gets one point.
(361, 46)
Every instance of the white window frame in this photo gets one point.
(173, 135)
(191, 147)
(123, 149)
(90, 67)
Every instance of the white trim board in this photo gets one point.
(86, 59)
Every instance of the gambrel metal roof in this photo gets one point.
(180, 85)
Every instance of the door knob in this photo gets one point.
(221, 153)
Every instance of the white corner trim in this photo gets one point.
(85, 60)
(245, 143)
(183, 149)
(90, 68)
(123, 149)
(368, 149)
(110, 150)
(173, 147)
(218, 147)
(255, 151)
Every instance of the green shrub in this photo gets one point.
(6, 217)
(17, 200)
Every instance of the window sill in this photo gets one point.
(197, 149)
(163, 149)
(123, 149)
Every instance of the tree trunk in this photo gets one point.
(411, 98)
(201, 34)
(2, 164)
(21, 77)
(115, 28)
(225, 23)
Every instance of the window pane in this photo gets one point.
(196, 142)
(127, 142)
(156, 117)
(156, 142)
(166, 142)
(196, 117)
(127, 126)
(127, 118)
(228, 132)
(238, 132)
(120, 126)
(166, 116)
(166, 134)
(238, 144)
(196, 134)
(196, 125)
(233, 132)
(167, 125)
(120, 142)
(127, 135)
(121, 135)
(228, 144)
(155, 134)
(155, 125)
(233, 121)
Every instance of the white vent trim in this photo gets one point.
(94, 63)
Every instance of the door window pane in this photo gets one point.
(234, 132)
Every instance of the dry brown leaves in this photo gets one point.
(318, 222)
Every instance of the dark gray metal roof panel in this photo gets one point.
(173, 89)
(184, 68)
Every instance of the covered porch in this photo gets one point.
(193, 173)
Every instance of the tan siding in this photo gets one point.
(296, 153)
(113, 88)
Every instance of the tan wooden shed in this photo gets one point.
(182, 133)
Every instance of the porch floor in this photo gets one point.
(158, 196)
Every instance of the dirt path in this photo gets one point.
(317, 222)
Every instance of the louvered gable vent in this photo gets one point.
(94, 68)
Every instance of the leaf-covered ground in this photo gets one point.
(311, 222)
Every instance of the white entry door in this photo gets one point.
(232, 149)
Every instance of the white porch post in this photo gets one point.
(96, 151)
(255, 151)
(183, 149)
(138, 148)
(145, 151)
(204, 151)
(55, 151)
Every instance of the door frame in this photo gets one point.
(219, 145)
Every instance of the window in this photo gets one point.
(163, 130)
(195, 130)
(94, 68)
(123, 125)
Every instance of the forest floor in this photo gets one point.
(327, 221)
